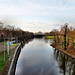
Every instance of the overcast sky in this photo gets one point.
(37, 15)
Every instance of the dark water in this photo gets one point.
(38, 58)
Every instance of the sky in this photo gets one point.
(37, 15)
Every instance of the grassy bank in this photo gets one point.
(49, 37)
(2, 63)
(69, 52)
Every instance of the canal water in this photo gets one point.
(39, 58)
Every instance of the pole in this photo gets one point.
(4, 50)
(11, 43)
(8, 47)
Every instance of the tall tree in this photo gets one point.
(65, 31)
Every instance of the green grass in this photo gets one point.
(2, 63)
(6, 43)
(49, 37)
(12, 44)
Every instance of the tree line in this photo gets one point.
(8, 31)
(65, 37)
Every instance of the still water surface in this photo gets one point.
(38, 58)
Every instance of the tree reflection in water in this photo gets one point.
(66, 63)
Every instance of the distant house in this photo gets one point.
(39, 33)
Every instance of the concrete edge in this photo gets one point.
(13, 59)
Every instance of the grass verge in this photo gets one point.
(2, 63)
(49, 37)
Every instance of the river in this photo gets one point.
(37, 57)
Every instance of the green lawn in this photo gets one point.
(49, 37)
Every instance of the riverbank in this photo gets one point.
(4, 66)
(69, 52)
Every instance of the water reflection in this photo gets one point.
(26, 42)
(38, 58)
(66, 63)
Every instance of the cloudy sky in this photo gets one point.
(37, 15)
